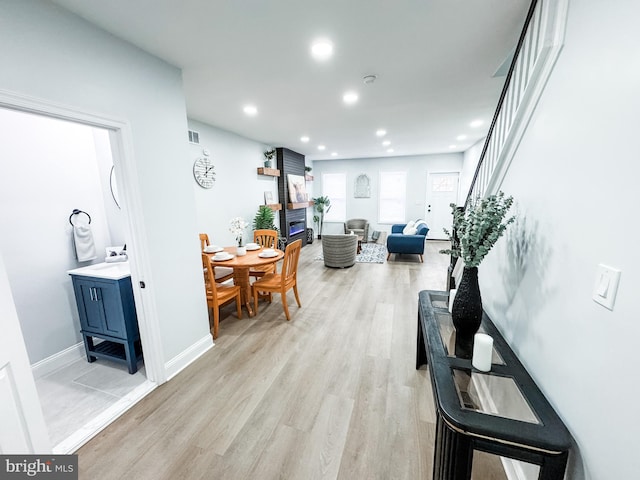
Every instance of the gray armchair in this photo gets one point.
(359, 226)
(339, 250)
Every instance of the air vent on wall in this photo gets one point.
(194, 137)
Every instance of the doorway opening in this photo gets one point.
(55, 165)
(442, 190)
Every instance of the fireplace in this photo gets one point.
(296, 227)
(293, 216)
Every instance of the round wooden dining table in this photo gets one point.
(241, 266)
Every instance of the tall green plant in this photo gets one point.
(478, 227)
(321, 205)
(264, 219)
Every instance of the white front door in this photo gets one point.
(22, 427)
(442, 190)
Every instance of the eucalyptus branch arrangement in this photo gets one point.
(479, 227)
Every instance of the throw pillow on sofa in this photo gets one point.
(420, 224)
(409, 229)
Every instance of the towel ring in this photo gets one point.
(76, 212)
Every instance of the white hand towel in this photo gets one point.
(83, 241)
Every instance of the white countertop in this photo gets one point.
(111, 271)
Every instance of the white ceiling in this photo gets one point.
(434, 59)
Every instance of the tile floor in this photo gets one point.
(74, 395)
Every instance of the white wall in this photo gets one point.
(238, 190)
(417, 168)
(51, 54)
(471, 157)
(575, 179)
(50, 168)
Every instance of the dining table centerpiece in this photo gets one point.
(476, 229)
(237, 226)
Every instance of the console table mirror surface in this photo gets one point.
(500, 412)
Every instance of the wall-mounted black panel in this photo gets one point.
(293, 222)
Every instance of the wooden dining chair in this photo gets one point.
(266, 239)
(281, 282)
(218, 294)
(222, 274)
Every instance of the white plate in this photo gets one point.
(213, 249)
(228, 257)
(267, 255)
(253, 247)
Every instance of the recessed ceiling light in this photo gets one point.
(386, 143)
(350, 98)
(381, 132)
(390, 150)
(461, 137)
(452, 146)
(476, 123)
(321, 147)
(304, 139)
(250, 110)
(322, 50)
(334, 154)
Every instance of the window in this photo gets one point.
(391, 201)
(334, 186)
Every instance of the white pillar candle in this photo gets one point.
(452, 296)
(482, 352)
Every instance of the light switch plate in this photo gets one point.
(606, 286)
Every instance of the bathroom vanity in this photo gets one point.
(107, 312)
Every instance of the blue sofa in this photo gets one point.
(398, 242)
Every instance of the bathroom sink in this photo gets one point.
(113, 271)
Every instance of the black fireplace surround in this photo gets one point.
(293, 221)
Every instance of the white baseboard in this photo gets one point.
(185, 358)
(58, 360)
(91, 429)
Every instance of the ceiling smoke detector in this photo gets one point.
(369, 79)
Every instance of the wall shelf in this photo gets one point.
(274, 206)
(295, 206)
(271, 172)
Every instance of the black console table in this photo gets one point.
(501, 412)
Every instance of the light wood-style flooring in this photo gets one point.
(333, 393)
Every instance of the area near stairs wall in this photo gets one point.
(575, 181)
(48, 53)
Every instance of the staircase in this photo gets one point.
(538, 48)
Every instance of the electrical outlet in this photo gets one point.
(606, 286)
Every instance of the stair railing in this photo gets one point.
(538, 47)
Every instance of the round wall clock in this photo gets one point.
(203, 172)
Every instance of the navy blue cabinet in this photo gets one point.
(107, 312)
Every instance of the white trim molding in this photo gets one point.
(188, 356)
(58, 360)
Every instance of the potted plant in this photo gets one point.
(321, 205)
(307, 169)
(268, 157)
(477, 228)
(264, 219)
